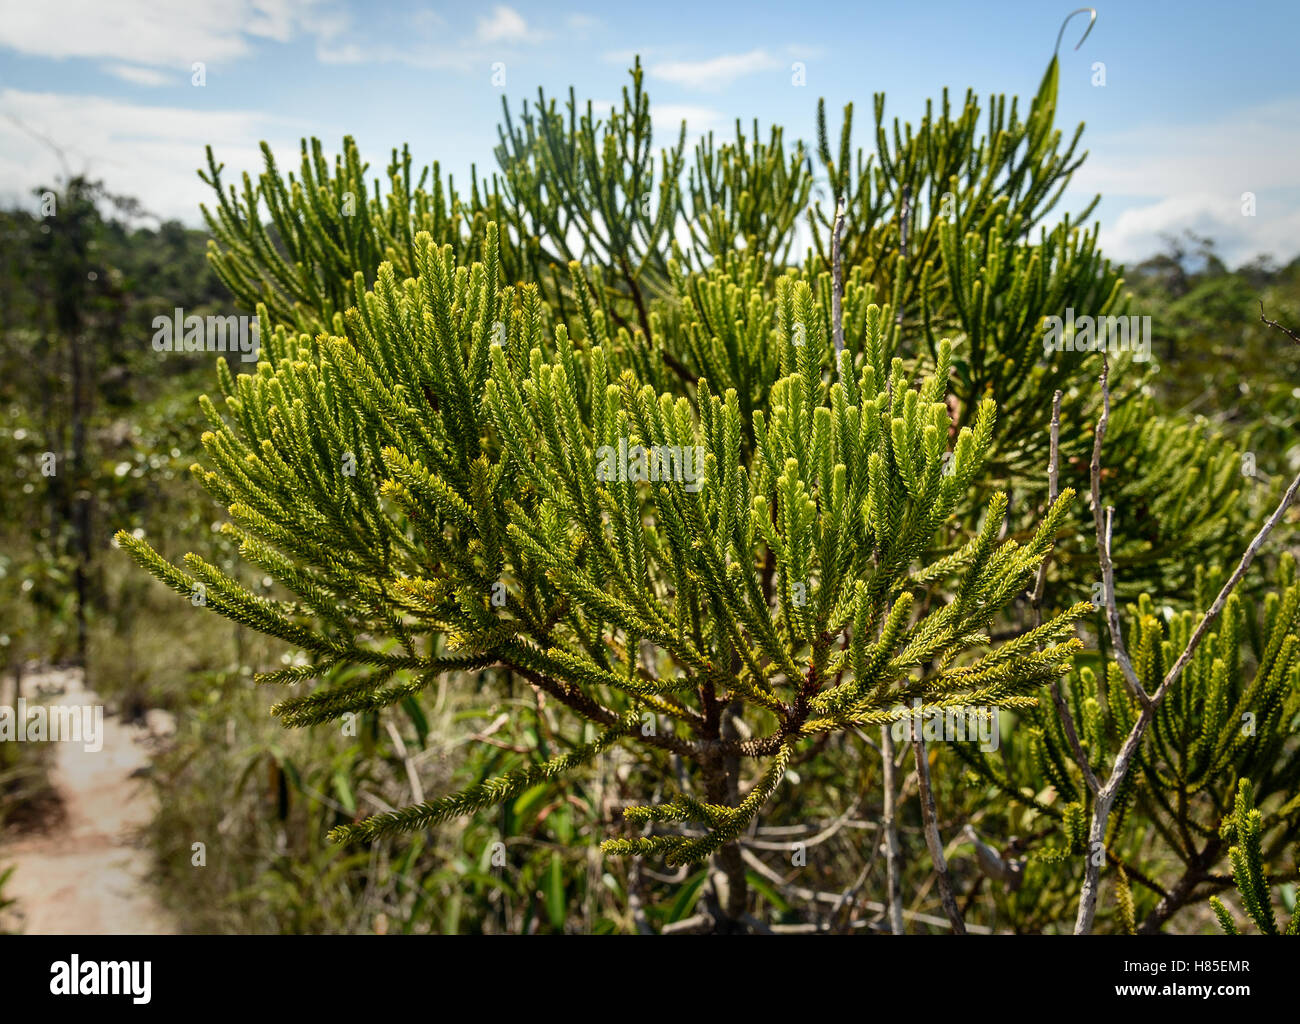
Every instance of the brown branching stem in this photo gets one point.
(904, 220)
(1103, 546)
(889, 826)
(1058, 698)
(1281, 327)
(1105, 798)
(1053, 478)
(837, 279)
(933, 841)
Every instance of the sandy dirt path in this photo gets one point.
(88, 875)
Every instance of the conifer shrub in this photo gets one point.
(735, 509)
(446, 490)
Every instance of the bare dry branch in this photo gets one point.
(1053, 475)
(1103, 546)
(1058, 698)
(1281, 327)
(893, 856)
(1106, 795)
(837, 278)
(933, 841)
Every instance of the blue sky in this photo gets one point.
(1201, 101)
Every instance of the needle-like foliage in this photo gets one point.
(451, 485)
(596, 424)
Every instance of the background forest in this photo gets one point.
(1202, 442)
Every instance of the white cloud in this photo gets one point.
(137, 75)
(581, 24)
(1250, 150)
(422, 40)
(1176, 177)
(416, 54)
(668, 118)
(150, 152)
(155, 33)
(717, 72)
(1141, 231)
(506, 25)
(136, 34)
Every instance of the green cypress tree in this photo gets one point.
(719, 507)
(451, 486)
